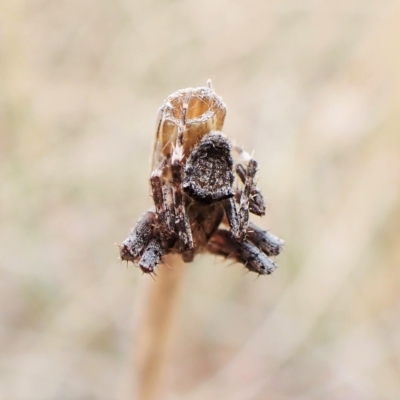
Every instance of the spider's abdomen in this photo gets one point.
(208, 172)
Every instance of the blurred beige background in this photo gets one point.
(313, 86)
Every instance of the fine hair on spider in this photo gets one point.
(196, 208)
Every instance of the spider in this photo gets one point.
(196, 207)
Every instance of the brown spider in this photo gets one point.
(192, 190)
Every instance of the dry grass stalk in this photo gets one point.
(205, 112)
(156, 329)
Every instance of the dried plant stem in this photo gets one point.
(156, 328)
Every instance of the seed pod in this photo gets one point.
(205, 113)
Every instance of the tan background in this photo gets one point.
(312, 86)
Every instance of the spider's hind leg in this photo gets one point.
(264, 240)
(222, 243)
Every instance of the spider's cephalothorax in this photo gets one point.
(192, 188)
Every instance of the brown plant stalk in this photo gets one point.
(192, 188)
(156, 327)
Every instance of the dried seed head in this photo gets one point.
(194, 112)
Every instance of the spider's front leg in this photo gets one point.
(151, 256)
(182, 225)
(143, 242)
(250, 198)
(256, 199)
(163, 202)
(138, 238)
(222, 243)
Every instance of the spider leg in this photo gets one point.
(232, 216)
(138, 238)
(250, 197)
(151, 256)
(182, 226)
(169, 208)
(245, 252)
(163, 202)
(267, 242)
(244, 200)
(256, 200)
